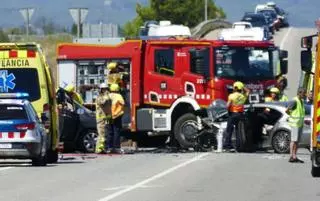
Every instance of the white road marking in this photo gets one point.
(5, 168)
(284, 39)
(155, 177)
(123, 187)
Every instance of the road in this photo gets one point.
(149, 176)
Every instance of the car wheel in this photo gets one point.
(87, 141)
(52, 156)
(281, 142)
(41, 160)
(185, 130)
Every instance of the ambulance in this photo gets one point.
(24, 69)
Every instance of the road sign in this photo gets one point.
(27, 13)
(74, 12)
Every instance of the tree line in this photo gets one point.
(186, 12)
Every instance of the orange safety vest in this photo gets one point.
(237, 102)
(117, 108)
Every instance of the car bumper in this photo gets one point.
(21, 151)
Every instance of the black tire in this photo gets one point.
(87, 141)
(40, 161)
(244, 135)
(185, 130)
(281, 142)
(315, 171)
(52, 156)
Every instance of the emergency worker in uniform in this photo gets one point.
(296, 111)
(103, 101)
(70, 89)
(274, 95)
(282, 84)
(117, 111)
(236, 101)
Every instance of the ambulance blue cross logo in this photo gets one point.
(6, 81)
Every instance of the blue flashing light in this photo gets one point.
(19, 95)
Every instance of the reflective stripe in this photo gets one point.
(283, 98)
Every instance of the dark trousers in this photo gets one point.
(114, 128)
(232, 122)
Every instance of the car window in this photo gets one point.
(12, 112)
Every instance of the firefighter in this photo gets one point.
(296, 111)
(309, 99)
(102, 117)
(236, 101)
(70, 89)
(117, 111)
(274, 95)
(282, 83)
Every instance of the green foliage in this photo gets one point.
(186, 12)
(3, 36)
(74, 30)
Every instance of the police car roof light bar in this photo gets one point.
(14, 95)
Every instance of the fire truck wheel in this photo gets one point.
(185, 129)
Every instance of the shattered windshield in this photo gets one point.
(245, 63)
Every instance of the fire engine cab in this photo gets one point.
(171, 79)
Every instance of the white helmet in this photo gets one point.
(271, 4)
(103, 86)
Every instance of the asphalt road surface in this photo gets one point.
(170, 177)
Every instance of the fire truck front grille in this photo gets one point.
(160, 122)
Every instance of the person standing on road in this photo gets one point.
(103, 112)
(309, 99)
(236, 101)
(296, 112)
(117, 111)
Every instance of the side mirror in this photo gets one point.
(306, 42)
(306, 60)
(283, 54)
(44, 117)
(284, 66)
(80, 111)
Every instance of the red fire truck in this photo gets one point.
(170, 79)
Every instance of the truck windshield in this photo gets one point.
(245, 63)
(15, 80)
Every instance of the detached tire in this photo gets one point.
(185, 130)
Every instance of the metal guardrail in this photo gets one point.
(206, 26)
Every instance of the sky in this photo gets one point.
(302, 13)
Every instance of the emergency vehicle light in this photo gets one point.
(14, 95)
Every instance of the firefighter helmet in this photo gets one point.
(69, 88)
(112, 65)
(103, 86)
(239, 85)
(274, 90)
(114, 87)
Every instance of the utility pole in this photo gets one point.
(205, 10)
(78, 15)
(27, 14)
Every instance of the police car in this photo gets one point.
(22, 135)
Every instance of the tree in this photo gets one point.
(186, 12)
(74, 29)
(47, 25)
(3, 36)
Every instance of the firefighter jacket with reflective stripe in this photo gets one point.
(297, 115)
(101, 100)
(268, 99)
(117, 108)
(77, 97)
(237, 102)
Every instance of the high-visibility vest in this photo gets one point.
(268, 99)
(297, 115)
(117, 108)
(283, 98)
(77, 97)
(237, 102)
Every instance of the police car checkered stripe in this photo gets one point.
(11, 135)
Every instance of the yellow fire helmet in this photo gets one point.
(114, 87)
(112, 65)
(239, 85)
(274, 90)
(69, 88)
